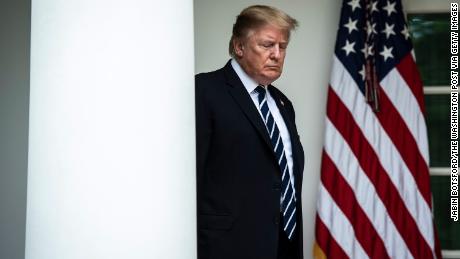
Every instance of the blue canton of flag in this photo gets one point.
(371, 37)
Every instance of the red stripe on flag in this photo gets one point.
(327, 242)
(409, 72)
(399, 133)
(343, 120)
(344, 197)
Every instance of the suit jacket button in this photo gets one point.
(276, 220)
(277, 186)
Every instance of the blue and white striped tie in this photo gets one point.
(288, 199)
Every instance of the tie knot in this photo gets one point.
(261, 90)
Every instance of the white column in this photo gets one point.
(112, 135)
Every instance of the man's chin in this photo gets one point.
(269, 78)
(266, 80)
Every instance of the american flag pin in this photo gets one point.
(282, 103)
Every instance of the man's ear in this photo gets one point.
(238, 46)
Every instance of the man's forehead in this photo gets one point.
(271, 35)
(268, 28)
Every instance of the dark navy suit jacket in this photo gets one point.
(238, 176)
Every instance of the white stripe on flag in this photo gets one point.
(338, 225)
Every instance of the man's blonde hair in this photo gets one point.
(256, 16)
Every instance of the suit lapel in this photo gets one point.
(241, 96)
(295, 144)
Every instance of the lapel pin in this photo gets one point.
(281, 101)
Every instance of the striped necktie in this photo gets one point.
(288, 199)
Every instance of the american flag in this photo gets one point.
(374, 199)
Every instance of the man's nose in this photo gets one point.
(276, 54)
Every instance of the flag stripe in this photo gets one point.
(387, 153)
(404, 142)
(409, 72)
(407, 106)
(326, 241)
(345, 198)
(339, 226)
(382, 219)
(368, 160)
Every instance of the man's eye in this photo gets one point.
(267, 45)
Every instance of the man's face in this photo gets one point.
(261, 55)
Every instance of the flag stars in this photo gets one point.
(364, 51)
(351, 25)
(349, 47)
(354, 4)
(390, 8)
(370, 28)
(362, 72)
(405, 32)
(374, 7)
(367, 50)
(389, 30)
(386, 53)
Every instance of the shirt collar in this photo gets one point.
(247, 81)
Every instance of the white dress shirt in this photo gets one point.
(250, 86)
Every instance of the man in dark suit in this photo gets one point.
(249, 156)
